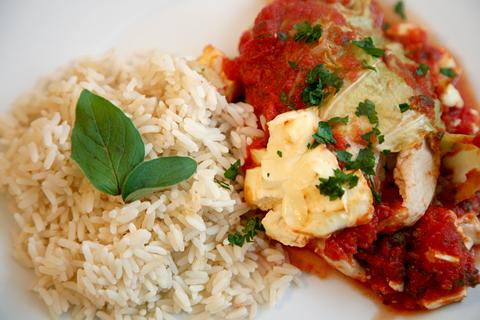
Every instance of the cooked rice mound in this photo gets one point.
(97, 257)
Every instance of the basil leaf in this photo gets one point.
(105, 143)
(156, 174)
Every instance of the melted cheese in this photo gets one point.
(285, 183)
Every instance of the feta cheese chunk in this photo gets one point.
(286, 182)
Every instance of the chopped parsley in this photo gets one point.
(397, 239)
(232, 172)
(377, 197)
(367, 108)
(368, 46)
(249, 232)
(307, 33)
(399, 9)
(403, 107)
(422, 70)
(365, 65)
(293, 64)
(279, 153)
(312, 145)
(283, 98)
(365, 161)
(333, 186)
(287, 102)
(344, 156)
(386, 152)
(375, 132)
(338, 120)
(222, 184)
(449, 72)
(282, 35)
(324, 133)
(320, 82)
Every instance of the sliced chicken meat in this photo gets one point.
(416, 173)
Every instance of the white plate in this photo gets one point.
(37, 36)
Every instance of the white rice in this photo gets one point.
(97, 257)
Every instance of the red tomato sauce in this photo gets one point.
(407, 257)
(263, 66)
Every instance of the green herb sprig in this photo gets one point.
(249, 232)
(110, 152)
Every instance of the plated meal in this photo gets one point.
(155, 185)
